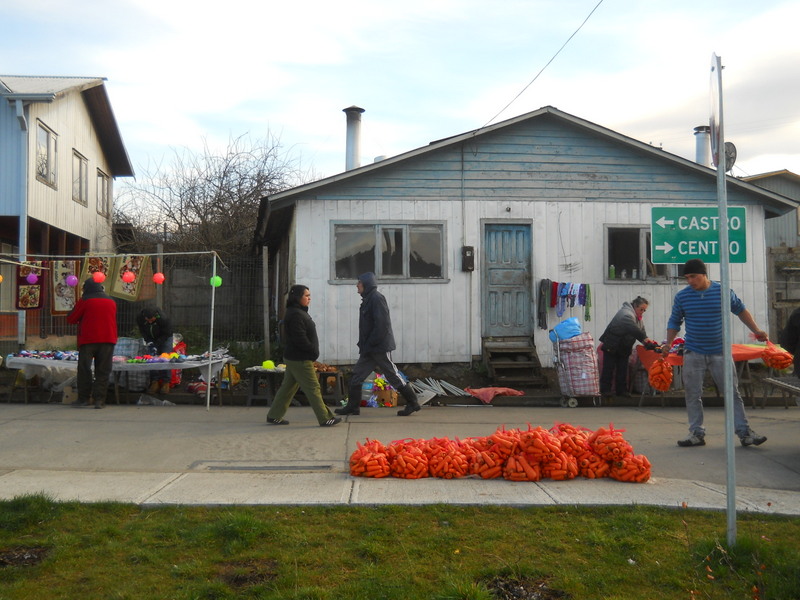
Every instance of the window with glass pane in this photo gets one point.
(45, 155)
(103, 205)
(404, 251)
(425, 255)
(630, 254)
(355, 250)
(80, 179)
(391, 251)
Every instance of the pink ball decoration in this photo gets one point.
(72, 281)
(99, 276)
(158, 278)
(32, 278)
(128, 277)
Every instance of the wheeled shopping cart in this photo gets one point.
(576, 362)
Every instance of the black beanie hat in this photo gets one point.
(695, 265)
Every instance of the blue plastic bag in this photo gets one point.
(568, 328)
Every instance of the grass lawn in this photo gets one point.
(120, 551)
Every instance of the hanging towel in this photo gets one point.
(563, 290)
(554, 294)
(545, 286)
(587, 316)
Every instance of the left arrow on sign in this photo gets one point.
(664, 221)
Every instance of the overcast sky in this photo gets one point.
(181, 74)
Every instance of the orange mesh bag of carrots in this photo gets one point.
(369, 460)
(407, 459)
(574, 440)
(487, 464)
(609, 444)
(592, 466)
(539, 443)
(560, 467)
(776, 357)
(660, 375)
(504, 442)
(518, 468)
(635, 469)
(447, 459)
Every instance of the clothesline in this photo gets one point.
(562, 295)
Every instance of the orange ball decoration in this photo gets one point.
(128, 277)
(158, 278)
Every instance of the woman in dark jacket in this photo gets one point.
(618, 339)
(302, 349)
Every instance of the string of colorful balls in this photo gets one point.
(127, 277)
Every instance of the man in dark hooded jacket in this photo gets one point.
(375, 345)
(156, 329)
(96, 316)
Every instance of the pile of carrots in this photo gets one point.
(560, 453)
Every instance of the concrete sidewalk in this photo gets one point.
(156, 455)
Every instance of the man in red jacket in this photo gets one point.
(96, 316)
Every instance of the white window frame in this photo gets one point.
(80, 178)
(46, 154)
(103, 193)
(406, 229)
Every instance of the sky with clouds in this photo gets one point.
(185, 74)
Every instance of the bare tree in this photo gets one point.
(207, 201)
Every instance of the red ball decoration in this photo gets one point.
(128, 277)
(99, 276)
(158, 278)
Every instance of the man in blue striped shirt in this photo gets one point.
(697, 307)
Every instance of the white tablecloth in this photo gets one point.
(42, 366)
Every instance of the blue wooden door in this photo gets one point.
(506, 307)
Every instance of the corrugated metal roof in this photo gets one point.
(94, 93)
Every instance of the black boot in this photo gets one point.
(412, 404)
(353, 402)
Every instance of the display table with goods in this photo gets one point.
(61, 366)
(264, 381)
(659, 364)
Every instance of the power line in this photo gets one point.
(546, 65)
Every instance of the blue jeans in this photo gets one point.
(694, 370)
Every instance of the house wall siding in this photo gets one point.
(566, 181)
(11, 143)
(68, 118)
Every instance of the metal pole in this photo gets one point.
(725, 305)
(211, 333)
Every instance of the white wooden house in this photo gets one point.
(461, 233)
(60, 151)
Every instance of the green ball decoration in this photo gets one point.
(215, 281)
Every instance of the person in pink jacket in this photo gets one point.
(96, 316)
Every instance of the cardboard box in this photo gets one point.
(384, 396)
(69, 395)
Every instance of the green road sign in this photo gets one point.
(679, 234)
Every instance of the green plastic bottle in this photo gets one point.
(612, 272)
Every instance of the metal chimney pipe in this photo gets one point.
(702, 140)
(353, 148)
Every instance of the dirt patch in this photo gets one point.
(522, 588)
(243, 574)
(23, 557)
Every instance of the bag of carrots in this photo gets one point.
(369, 460)
(634, 469)
(776, 357)
(407, 460)
(539, 443)
(660, 375)
(574, 440)
(609, 444)
(560, 467)
(592, 466)
(519, 467)
(447, 459)
(487, 464)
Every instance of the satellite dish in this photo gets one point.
(730, 155)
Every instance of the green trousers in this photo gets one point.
(300, 374)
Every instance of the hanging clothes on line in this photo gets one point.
(545, 286)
